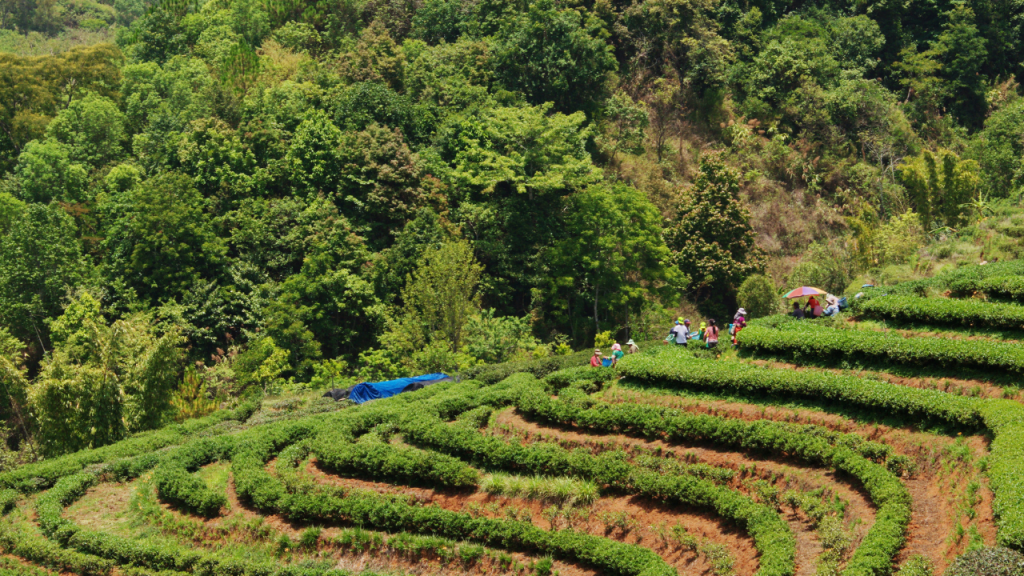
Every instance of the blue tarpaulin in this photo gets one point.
(367, 391)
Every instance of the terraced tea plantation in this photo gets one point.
(848, 446)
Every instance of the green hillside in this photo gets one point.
(213, 212)
(856, 445)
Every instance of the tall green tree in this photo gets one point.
(712, 239)
(442, 294)
(509, 169)
(160, 241)
(40, 261)
(93, 129)
(999, 147)
(963, 57)
(46, 172)
(439, 20)
(14, 385)
(940, 185)
(381, 185)
(34, 89)
(329, 307)
(521, 149)
(554, 54)
(393, 264)
(610, 261)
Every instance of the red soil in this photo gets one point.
(647, 515)
(923, 447)
(933, 517)
(787, 475)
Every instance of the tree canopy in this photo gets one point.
(280, 194)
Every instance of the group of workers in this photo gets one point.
(813, 309)
(680, 335)
(599, 359)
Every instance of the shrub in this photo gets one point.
(374, 458)
(8, 499)
(758, 295)
(175, 483)
(988, 562)
(1003, 287)
(493, 373)
(191, 401)
(916, 565)
(946, 312)
(809, 340)
(188, 491)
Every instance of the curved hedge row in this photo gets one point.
(393, 515)
(176, 484)
(98, 552)
(809, 443)
(740, 379)
(962, 281)
(423, 418)
(944, 311)
(118, 459)
(270, 494)
(374, 458)
(35, 548)
(493, 373)
(772, 536)
(809, 340)
(1003, 287)
(255, 447)
(1004, 418)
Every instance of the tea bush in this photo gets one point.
(807, 340)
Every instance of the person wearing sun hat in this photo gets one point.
(679, 334)
(595, 360)
(617, 353)
(632, 348)
(739, 322)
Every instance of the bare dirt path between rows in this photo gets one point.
(789, 474)
(647, 518)
(925, 448)
(934, 513)
(107, 504)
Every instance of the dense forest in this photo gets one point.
(202, 200)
